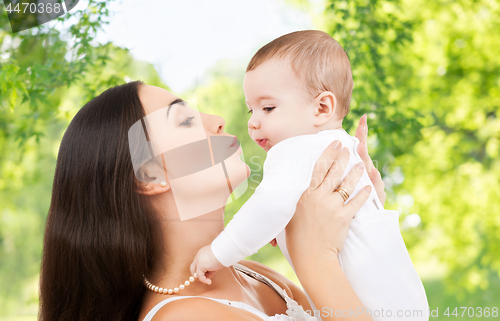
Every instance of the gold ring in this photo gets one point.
(342, 193)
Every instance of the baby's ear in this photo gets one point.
(326, 107)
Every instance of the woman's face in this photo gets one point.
(201, 161)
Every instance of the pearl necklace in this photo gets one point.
(156, 289)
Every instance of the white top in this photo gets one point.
(294, 311)
(374, 257)
(287, 174)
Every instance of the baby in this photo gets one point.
(298, 89)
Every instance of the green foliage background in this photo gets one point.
(426, 72)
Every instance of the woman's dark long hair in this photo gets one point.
(100, 234)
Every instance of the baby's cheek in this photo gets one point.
(283, 133)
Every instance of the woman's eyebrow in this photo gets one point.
(178, 100)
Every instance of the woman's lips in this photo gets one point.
(262, 142)
(235, 142)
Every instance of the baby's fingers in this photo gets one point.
(195, 270)
(210, 274)
(201, 276)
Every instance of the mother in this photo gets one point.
(106, 230)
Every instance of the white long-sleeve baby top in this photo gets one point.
(374, 257)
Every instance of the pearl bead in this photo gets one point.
(160, 290)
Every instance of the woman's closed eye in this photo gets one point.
(188, 122)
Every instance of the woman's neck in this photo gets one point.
(181, 242)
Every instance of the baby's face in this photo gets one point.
(280, 106)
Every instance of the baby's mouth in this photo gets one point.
(262, 142)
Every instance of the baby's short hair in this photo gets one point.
(317, 59)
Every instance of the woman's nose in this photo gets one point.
(213, 123)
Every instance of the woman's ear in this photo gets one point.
(325, 107)
(152, 179)
(153, 188)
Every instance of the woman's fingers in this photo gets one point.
(321, 220)
(363, 153)
(324, 163)
(373, 172)
(379, 184)
(350, 181)
(337, 168)
(362, 130)
(362, 135)
(356, 202)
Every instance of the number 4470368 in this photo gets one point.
(473, 312)
(33, 8)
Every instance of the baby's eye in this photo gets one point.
(188, 122)
(268, 109)
(250, 111)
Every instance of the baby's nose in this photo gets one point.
(253, 123)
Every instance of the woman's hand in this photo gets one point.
(373, 173)
(321, 221)
(317, 231)
(362, 135)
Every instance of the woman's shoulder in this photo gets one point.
(293, 291)
(210, 310)
(205, 309)
(268, 272)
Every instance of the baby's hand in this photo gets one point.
(205, 262)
